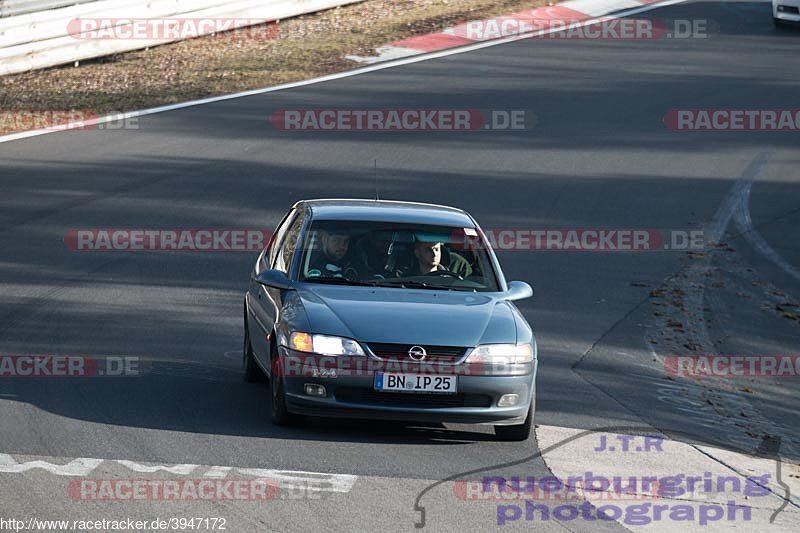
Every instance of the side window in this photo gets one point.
(268, 258)
(283, 260)
(311, 247)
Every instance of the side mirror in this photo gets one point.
(274, 278)
(519, 290)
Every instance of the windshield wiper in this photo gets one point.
(406, 283)
(392, 282)
(337, 281)
(403, 282)
(413, 283)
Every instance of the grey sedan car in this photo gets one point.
(389, 310)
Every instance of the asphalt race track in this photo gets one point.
(595, 153)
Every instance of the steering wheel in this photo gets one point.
(444, 273)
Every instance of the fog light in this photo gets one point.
(313, 389)
(508, 400)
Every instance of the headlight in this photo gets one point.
(324, 344)
(501, 354)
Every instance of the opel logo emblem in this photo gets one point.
(417, 353)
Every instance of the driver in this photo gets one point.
(331, 259)
(428, 257)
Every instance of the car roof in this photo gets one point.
(387, 211)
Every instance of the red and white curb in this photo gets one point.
(571, 12)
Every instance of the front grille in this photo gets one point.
(411, 399)
(399, 352)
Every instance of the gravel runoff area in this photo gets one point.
(289, 50)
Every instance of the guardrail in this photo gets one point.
(58, 36)
(9, 8)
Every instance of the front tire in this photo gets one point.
(279, 414)
(251, 370)
(517, 432)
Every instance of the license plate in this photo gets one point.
(385, 381)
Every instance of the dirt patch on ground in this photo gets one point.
(294, 49)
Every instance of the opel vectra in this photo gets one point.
(389, 310)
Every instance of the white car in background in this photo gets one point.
(785, 11)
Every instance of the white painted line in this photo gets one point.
(330, 77)
(76, 467)
(82, 467)
(218, 472)
(289, 479)
(180, 470)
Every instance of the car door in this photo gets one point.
(269, 300)
(261, 313)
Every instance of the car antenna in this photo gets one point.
(376, 180)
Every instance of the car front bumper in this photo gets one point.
(786, 10)
(350, 392)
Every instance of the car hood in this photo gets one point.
(407, 316)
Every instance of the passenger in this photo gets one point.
(330, 260)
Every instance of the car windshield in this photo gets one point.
(396, 255)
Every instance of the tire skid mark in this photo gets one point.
(690, 325)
